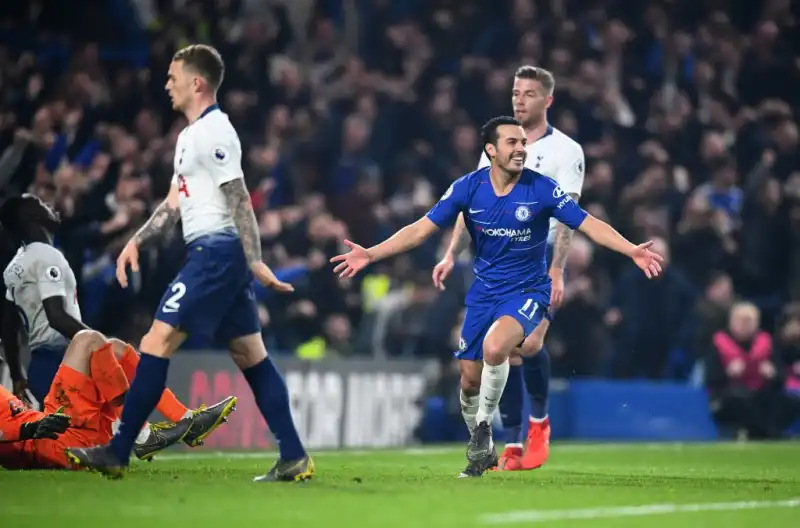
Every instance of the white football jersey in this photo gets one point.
(557, 156)
(208, 153)
(37, 272)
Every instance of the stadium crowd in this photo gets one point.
(355, 115)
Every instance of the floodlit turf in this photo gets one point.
(727, 485)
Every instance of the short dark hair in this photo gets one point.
(535, 73)
(19, 211)
(205, 60)
(489, 130)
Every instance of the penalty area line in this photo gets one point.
(537, 516)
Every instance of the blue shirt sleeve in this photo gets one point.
(452, 202)
(562, 207)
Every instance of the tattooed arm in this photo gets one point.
(561, 244)
(163, 219)
(244, 218)
(563, 239)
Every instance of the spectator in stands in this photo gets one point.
(744, 382)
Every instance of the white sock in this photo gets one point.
(469, 407)
(493, 381)
(144, 434)
(187, 414)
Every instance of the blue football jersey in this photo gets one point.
(509, 233)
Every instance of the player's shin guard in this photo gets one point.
(272, 399)
(493, 381)
(537, 379)
(511, 404)
(145, 391)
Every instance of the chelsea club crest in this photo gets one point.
(523, 213)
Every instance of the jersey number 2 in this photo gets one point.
(173, 303)
(528, 309)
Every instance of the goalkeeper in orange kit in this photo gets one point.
(84, 405)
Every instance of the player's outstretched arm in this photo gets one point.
(603, 234)
(244, 218)
(359, 257)
(163, 219)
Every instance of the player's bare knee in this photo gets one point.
(154, 344)
(495, 351)
(162, 340)
(247, 351)
(85, 342)
(81, 348)
(118, 346)
(515, 360)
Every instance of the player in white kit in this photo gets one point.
(41, 296)
(212, 296)
(556, 155)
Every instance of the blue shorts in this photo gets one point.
(42, 369)
(526, 308)
(212, 297)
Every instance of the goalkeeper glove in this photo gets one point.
(48, 427)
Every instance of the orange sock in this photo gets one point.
(168, 405)
(107, 373)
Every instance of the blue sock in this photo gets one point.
(537, 378)
(511, 404)
(272, 399)
(142, 398)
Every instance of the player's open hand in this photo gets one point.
(265, 276)
(648, 261)
(442, 270)
(129, 256)
(50, 427)
(352, 262)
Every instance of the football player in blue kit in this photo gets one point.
(507, 209)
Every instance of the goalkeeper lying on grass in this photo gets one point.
(83, 406)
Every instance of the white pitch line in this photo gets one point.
(439, 450)
(537, 516)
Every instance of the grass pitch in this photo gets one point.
(619, 485)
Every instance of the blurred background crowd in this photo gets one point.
(355, 115)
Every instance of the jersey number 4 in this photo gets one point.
(173, 302)
(528, 310)
(182, 188)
